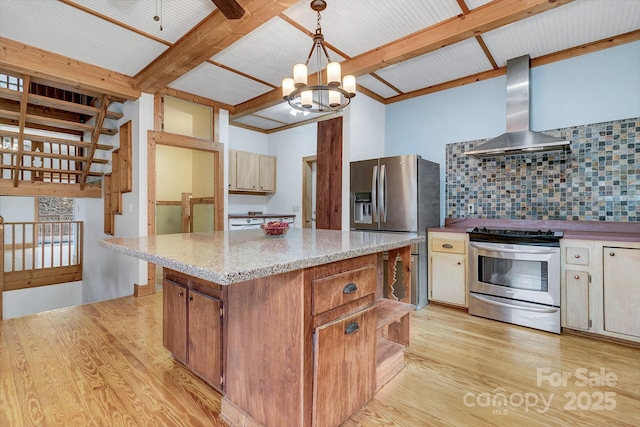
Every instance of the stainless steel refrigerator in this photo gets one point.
(398, 194)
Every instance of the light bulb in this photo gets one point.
(300, 75)
(349, 85)
(287, 87)
(333, 74)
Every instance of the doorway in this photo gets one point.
(309, 173)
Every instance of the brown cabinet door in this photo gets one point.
(174, 325)
(205, 337)
(344, 367)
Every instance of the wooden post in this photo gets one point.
(1, 262)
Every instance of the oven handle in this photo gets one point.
(514, 251)
(519, 307)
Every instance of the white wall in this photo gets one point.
(593, 88)
(290, 146)
(107, 274)
(17, 209)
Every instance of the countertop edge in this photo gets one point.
(230, 278)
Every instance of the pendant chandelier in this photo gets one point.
(320, 97)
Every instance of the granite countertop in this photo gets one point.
(262, 215)
(227, 257)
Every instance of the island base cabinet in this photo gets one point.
(205, 342)
(344, 369)
(192, 328)
(174, 325)
(621, 290)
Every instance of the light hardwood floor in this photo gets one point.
(103, 364)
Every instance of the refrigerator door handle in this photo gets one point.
(374, 194)
(383, 194)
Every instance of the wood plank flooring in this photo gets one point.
(103, 364)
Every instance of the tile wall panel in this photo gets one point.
(598, 180)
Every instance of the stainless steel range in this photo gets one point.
(514, 276)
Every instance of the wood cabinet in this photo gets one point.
(600, 287)
(344, 367)
(306, 347)
(344, 337)
(577, 270)
(621, 288)
(251, 172)
(448, 267)
(192, 325)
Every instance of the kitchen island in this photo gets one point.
(292, 330)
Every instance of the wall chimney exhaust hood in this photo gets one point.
(518, 139)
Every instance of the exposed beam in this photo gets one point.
(39, 188)
(535, 62)
(40, 138)
(57, 123)
(206, 39)
(95, 136)
(490, 16)
(198, 99)
(22, 122)
(79, 76)
(183, 141)
(57, 104)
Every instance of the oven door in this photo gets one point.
(520, 272)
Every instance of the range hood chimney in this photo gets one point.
(518, 139)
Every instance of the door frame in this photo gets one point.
(307, 190)
(179, 141)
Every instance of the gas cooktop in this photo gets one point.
(516, 236)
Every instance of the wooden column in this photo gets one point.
(329, 175)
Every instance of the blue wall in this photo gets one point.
(593, 88)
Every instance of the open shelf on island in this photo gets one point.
(393, 338)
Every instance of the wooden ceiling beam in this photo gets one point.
(490, 16)
(57, 104)
(39, 188)
(206, 39)
(79, 76)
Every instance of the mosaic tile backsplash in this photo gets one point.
(596, 181)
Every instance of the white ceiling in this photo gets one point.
(121, 35)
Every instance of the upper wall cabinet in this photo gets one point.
(251, 173)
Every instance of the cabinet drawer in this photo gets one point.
(333, 291)
(448, 245)
(577, 256)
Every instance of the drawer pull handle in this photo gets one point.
(180, 293)
(459, 263)
(577, 256)
(576, 277)
(190, 298)
(349, 288)
(447, 245)
(352, 328)
(612, 253)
